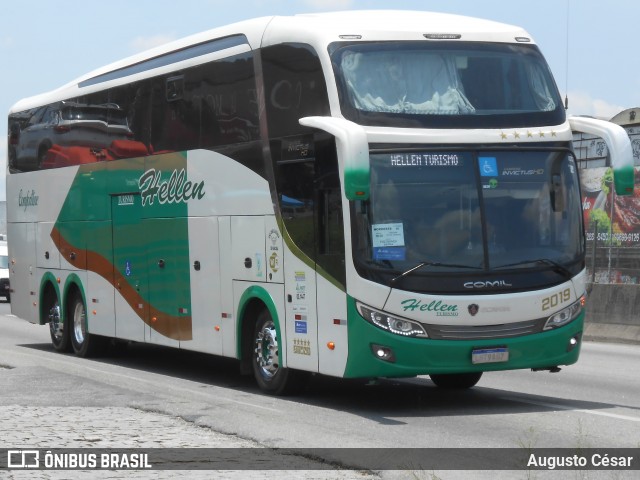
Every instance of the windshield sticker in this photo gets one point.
(522, 172)
(493, 183)
(388, 241)
(488, 166)
(389, 253)
(387, 235)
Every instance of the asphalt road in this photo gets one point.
(168, 398)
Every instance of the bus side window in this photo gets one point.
(294, 87)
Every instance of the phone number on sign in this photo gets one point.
(620, 237)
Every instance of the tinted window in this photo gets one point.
(133, 101)
(446, 85)
(294, 87)
(205, 106)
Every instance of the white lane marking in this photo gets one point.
(571, 409)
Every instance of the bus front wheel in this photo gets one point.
(456, 380)
(271, 377)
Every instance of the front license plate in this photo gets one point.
(490, 355)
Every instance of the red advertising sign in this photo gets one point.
(621, 216)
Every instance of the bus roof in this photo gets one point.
(318, 29)
(372, 25)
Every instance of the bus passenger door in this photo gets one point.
(130, 267)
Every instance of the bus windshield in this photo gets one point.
(469, 211)
(446, 84)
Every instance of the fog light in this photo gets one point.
(573, 342)
(383, 353)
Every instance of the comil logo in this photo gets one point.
(487, 284)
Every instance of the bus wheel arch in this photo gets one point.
(260, 344)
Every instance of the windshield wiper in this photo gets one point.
(429, 264)
(565, 272)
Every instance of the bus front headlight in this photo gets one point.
(565, 315)
(390, 323)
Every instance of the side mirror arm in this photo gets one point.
(353, 152)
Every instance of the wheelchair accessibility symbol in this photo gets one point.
(488, 166)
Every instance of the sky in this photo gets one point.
(591, 46)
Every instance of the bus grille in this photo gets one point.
(479, 332)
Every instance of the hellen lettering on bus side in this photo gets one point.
(175, 190)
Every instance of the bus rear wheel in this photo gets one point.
(271, 377)
(456, 380)
(84, 343)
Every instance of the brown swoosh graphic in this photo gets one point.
(171, 326)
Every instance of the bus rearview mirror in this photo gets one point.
(353, 153)
(619, 146)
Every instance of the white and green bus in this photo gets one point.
(356, 194)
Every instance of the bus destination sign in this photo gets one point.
(425, 160)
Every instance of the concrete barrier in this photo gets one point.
(613, 313)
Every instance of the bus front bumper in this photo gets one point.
(374, 352)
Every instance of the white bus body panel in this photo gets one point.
(227, 305)
(274, 250)
(21, 240)
(248, 247)
(47, 253)
(301, 332)
(231, 188)
(101, 316)
(332, 328)
(491, 309)
(205, 286)
(129, 326)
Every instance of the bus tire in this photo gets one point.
(58, 327)
(270, 376)
(84, 343)
(456, 380)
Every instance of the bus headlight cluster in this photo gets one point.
(399, 326)
(565, 315)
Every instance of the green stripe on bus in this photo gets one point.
(145, 235)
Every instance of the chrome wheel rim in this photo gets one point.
(267, 350)
(78, 323)
(55, 325)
